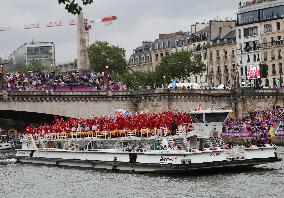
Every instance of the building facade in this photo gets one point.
(221, 61)
(196, 40)
(28, 52)
(165, 45)
(141, 59)
(259, 38)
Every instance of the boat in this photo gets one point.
(5, 146)
(199, 149)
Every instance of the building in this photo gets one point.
(141, 59)
(149, 55)
(259, 38)
(68, 67)
(25, 54)
(222, 61)
(165, 45)
(272, 47)
(196, 41)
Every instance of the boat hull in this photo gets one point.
(210, 167)
(168, 162)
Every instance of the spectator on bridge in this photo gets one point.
(35, 81)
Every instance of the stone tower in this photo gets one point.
(83, 62)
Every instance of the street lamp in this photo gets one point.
(2, 77)
(237, 74)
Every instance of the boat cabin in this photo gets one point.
(208, 123)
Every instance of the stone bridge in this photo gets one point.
(20, 105)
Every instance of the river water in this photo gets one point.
(28, 181)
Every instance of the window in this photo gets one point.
(233, 54)
(242, 71)
(273, 69)
(240, 33)
(254, 57)
(272, 55)
(279, 54)
(217, 55)
(211, 56)
(280, 68)
(264, 42)
(278, 25)
(268, 28)
(264, 56)
(269, 13)
(281, 11)
(248, 17)
(225, 54)
(266, 83)
(251, 31)
(248, 60)
(156, 57)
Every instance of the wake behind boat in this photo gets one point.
(188, 149)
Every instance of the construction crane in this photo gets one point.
(84, 25)
(53, 24)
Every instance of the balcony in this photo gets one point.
(272, 44)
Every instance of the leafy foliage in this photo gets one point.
(180, 65)
(35, 66)
(72, 7)
(138, 79)
(104, 56)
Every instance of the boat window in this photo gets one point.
(215, 117)
(197, 118)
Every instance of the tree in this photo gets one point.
(72, 7)
(106, 57)
(180, 65)
(35, 66)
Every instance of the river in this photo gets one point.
(28, 181)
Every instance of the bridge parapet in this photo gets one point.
(87, 103)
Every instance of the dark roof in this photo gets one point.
(230, 35)
(205, 30)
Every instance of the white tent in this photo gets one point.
(185, 85)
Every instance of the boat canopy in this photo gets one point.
(209, 116)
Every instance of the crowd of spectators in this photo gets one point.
(36, 81)
(263, 123)
(137, 121)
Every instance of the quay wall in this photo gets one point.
(86, 104)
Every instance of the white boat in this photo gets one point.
(5, 146)
(186, 152)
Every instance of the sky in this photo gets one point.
(138, 20)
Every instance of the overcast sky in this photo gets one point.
(138, 20)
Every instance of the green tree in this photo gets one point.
(36, 66)
(106, 57)
(73, 7)
(139, 79)
(180, 65)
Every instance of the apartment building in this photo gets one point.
(259, 38)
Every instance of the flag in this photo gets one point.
(271, 132)
(278, 123)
